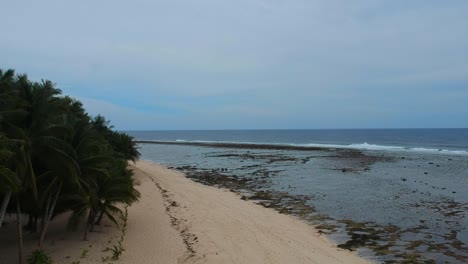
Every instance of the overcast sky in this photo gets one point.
(249, 64)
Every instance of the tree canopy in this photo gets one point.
(56, 158)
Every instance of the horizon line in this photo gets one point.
(251, 129)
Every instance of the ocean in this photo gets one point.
(430, 140)
(393, 195)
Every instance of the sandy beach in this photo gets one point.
(180, 221)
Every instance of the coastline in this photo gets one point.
(178, 220)
(351, 147)
(389, 206)
(216, 226)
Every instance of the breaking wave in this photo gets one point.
(360, 146)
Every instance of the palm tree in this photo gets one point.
(54, 158)
(116, 190)
(123, 144)
(92, 156)
(33, 131)
(61, 159)
(8, 180)
(106, 180)
(63, 170)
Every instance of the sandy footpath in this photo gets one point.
(180, 221)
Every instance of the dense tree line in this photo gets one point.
(55, 158)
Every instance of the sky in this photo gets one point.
(248, 64)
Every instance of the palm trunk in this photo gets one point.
(49, 216)
(46, 212)
(29, 225)
(6, 200)
(87, 224)
(93, 222)
(99, 220)
(20, 231)
(34, 230)
(92, 219)
(85, 236)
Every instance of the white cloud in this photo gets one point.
(288, 58)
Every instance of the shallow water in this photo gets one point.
(391, 206)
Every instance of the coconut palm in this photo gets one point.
(92, 155)
(8, 181)
(123, 144)
(118, 189)
(38, 147)
(106, 180)
(54, 158)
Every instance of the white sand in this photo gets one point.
(230, 230)
(180, 221)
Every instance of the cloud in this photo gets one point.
(322, 63)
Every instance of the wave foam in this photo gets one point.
(361, 146)
(367, 146)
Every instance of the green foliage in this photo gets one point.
(39, 257)
(118, 249)
(116, 252)
(8, 179)
(56, 158)
(84, 253)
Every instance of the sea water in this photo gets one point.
(430, 140)
(417, 188)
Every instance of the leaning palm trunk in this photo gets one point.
(91, 228)
(49, 216)
(99, 220)
(88, 224)
(46, 213)
(20, 231)
(93, 222)
(6, 200)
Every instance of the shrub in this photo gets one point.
(39, 257)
